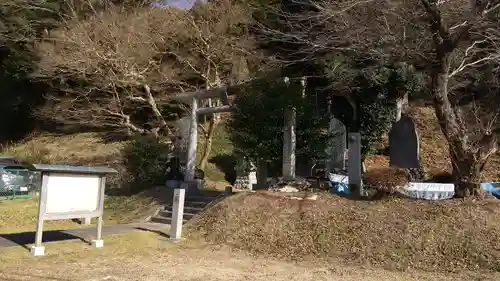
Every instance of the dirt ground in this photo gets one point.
(153, 258)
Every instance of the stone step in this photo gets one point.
(195, 204)
(168, 214)
(191, 210)
(200, 199)
(164, 220)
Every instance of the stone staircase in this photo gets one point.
(194, 203)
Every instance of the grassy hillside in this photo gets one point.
(92, 149)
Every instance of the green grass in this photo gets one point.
(21, 215)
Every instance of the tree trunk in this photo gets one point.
(467, 174)
(209, 136)
(465, 169)
(468, 158)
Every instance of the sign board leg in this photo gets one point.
(178, 213)
(38, 249)
(98, 242)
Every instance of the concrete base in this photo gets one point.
(97, 243)
(37, 251)
(175, 240)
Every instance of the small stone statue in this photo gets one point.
(246, 174)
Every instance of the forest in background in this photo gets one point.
(109, 66)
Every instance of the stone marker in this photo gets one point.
(354, 169)
(289, 144)
(175, 231)
(404, 144)
(336, 149)
(261, 175)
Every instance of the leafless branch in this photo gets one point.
(127, 64)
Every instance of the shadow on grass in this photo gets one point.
(226, 164)
(85, 235)
(24, 239)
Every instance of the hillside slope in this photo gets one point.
(451, 235)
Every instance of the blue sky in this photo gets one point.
(183, 4)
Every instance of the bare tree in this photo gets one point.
(116, 69)
(451, 40)
(107, 71)
(212, 51)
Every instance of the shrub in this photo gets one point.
(146, 161)
(257, 125)
(386, 179)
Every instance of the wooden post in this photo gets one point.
(193, 141)
(289, 142)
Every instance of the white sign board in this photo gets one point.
(67, 193)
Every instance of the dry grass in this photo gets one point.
(148, 257)
(393, 233)
(83, 149)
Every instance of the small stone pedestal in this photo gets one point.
(98, 243)
(245, 175)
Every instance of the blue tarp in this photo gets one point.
(339, 184)
(492, 188)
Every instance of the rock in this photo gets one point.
(288, 188)
(280, 185)
(313, 197)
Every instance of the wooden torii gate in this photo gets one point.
(223, 93)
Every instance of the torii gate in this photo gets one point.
(289, 142)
